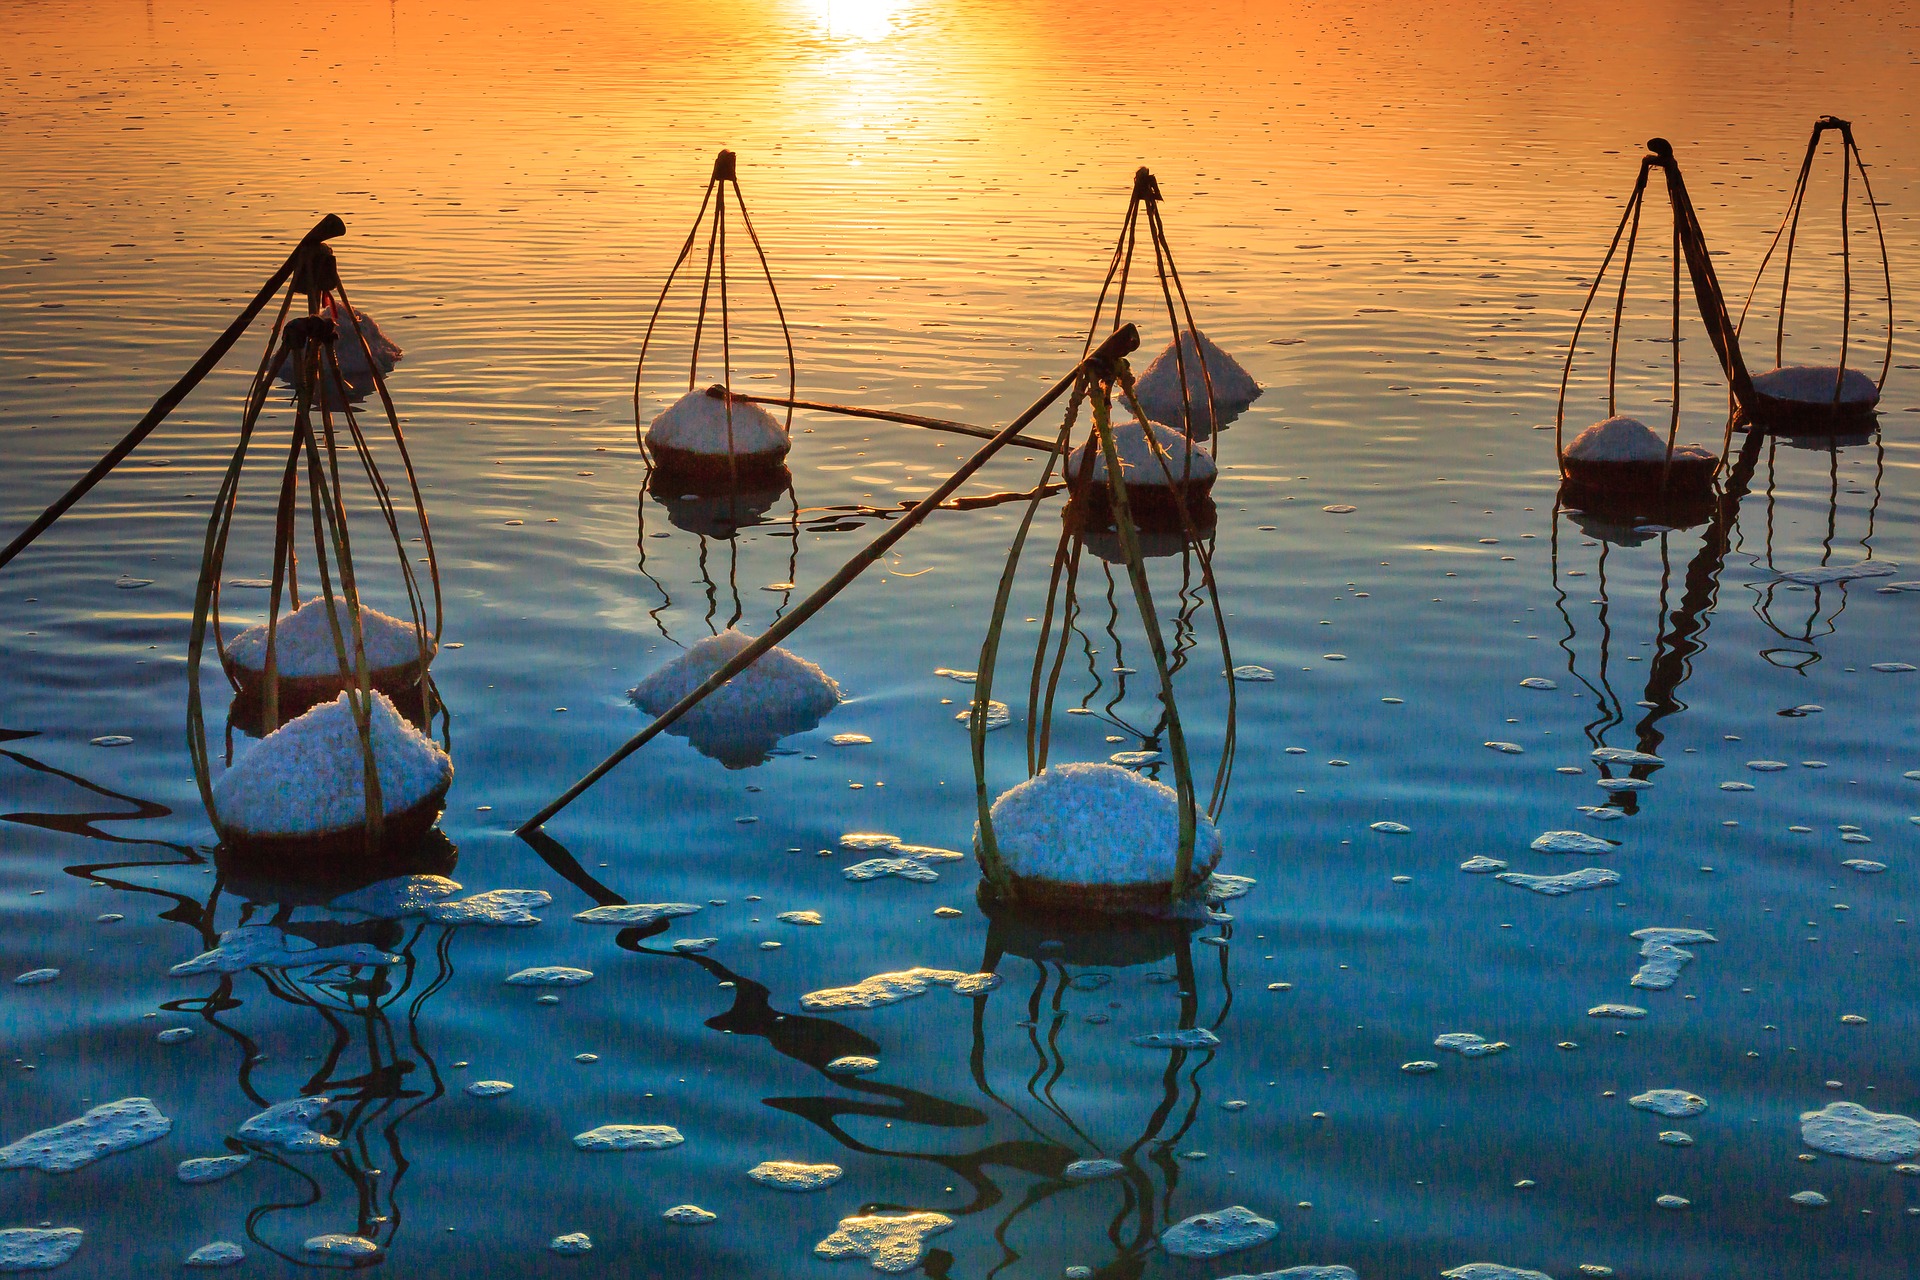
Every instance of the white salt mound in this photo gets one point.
(1627, 440)
(1140, 463)
(303, 641)
(1849, 1129)
(1095, 824)
(353, 360)
(1813, 384)
(778, 695)
(697, 423)
(1208, 1235)
(308, 776)
(891, 1243)
(1159, 387)
(37, 1249)
(106, 1129)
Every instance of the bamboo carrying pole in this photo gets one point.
(1123, 342)
(890, 415)
(326, 229)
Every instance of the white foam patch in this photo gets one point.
(303, 641)
(891, 988)
(1505, 748)
(891, 1242)
(792, 1175)
(1208, 1235)
(496, 908)
(853, 1064)
(36, 977)
(927, 853)
(1629, 1011)
(695, 946)
(689, 1215)
(1222, 887)
(1675, 1203)
(336, 1244)
(904, 868)
(862, 840)
(800, 917)
(308, 776)
(489, 1089)
(1480, 865)
(1304, 1273)
(781, 693)
(698, 423)
(1570, 882)
(962, 677)
(1621, 755)
(629, 1137)
(1814, 384)
(1611, 785)
(1809, 1199)
(220, 1253)
(1661, 968)
(1493, 1271)
(1675, 1104)
(1091, 1170)
(572, 1244)
(1158, 389)
(1600, 812)
(1571, 842)
(289, 1126)
(1623, 439)
(629, 915)
(1826, 575)
(999, 716)
(1894, 668)
(1185, 1038)
(1143, 465)
(1468, 1045)
(1538, 682)
(1864, 866)
(1849, 1129)
(1392, 828)
(210, 1168)
(1095, 824)
(106, 1129)
(396, 898)
(1766, 766)
(1675, 1138)
(38, 1248)
(1251, 674)
(553, 975)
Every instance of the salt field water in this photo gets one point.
(1663, 1028)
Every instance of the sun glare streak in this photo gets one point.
(864, 20)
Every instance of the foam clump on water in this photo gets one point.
(1095, 824)
(35, 977)
(1493, 1271)
(498, 908)
(106, 1129)
(1676, 1104)
(853, 1064)
(397, 897)
(210, 1168)
(1159, 387)
(697, 423)
(1571, 882)
(1849, 1129)
(999, 715)
(1252, 674)
(221, 1253)
(636, 914)
(891, 988)
(338, 1244)
(891, 1243)
(1468, 1045)
(628, 1137)
(689, 1215)
(308, 776)
(792, 1175)
(573, 1243)
(1208, 1235)
(489, 1089)
(1570, 842)
(1185, 1038)
(1664, 955)
(1814, 384)
(780, 694)
(303, 642)
(1631, 1012)
(1623, 439)
(1480, 865)
(38, 1248)
(1621, 755)
(1091, 1170)
(554, 975)
(1304, 1273)
(289, 1126)
(266, 946)
(1177, 460)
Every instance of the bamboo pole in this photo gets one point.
(1124, 340)
(888, 415)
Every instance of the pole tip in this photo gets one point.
(328, 228)
(1661, 148)
(1123, 342)
(723, 167)
(1145, 185)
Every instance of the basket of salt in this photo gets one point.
(1095, 837)
(1623, 455)
(1818, 397)
(743, 720)
(309, 667)
(1162, 470)
(709, 438)
(1194, 369)
(301, 792)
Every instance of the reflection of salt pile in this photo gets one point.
(1095, 837)
(694, 437)
(1159, 387)
(1624, 454)
(306, 780)
(741, 721)
(306, 661)
(1798, 388)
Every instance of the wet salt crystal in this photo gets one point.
(963, 677)
(1571, 842)
(37, 1248)
(1468, 1045)
(850, 740)
(1185, 1038)
(221, 1253)
(904, 868)
(35, 977)
(1864, 866)
(1208, 1235)
(1392, 828)
(489, 1089)
(853, 1064)
(1623, 784)
(1673, 1202)
(1736, 786)
(1675, 1104)
(791, 1175)
(340, 1245)
(1480, 865)
(1849, 1129)
(103, 1131)
(858, 840)
(500, 908)
(628, 1137)
(695, 946)
(267, 947)
(1505, 748)
(892, 1243)
(573, 1243)
(1809, 1199)
(111, 740)
(549, 976)
(289, 1126)
(891, 988)
(210, 1168)
(998, 716)
(1419, 1068)
(1252, 674)
(1570, 882)
(1766, 766)
(398, 897)
(1091, 1170)
(175, 1035)
(1538, 682)
(1493, 1271)
(636, 914)
(1629, 1011)
(1675, 1138)
(689, 1215)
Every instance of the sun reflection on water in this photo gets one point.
(865, 20)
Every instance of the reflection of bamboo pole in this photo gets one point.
(325, 229)
(1124, 340)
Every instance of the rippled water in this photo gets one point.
(1389, 217)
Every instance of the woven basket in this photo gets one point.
(401, 831)
(708, 470)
